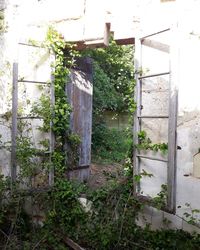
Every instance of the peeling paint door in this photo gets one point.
(79, 92)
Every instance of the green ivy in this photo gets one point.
(146, 143)
(110, 145)
(113, 77)
(113, 85)
(67, 143)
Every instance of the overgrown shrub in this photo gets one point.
(110, 145)
(113, 90)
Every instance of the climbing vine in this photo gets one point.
(34, 162)
(66, 142)
(110, 220)
(64, 60)
(146, 143)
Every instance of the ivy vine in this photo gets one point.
(145, 143)
(66, 146)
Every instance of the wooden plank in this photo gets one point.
(125, 41)
(79, 91)
(137, 122)
(151, 158)
(154, 75)
(173, 107)
(99, 43)
(37, 190)
(156, 45)
(72, 244)
(153, 116)
(32, 81)
(156, 33)
(52, 135)
(107, 33)
(14, 122)
(67, 240)
(29, 117)
(80, 173)
(80, 167)
(31, 45)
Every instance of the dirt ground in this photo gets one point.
(100, 173)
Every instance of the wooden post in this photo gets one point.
(14, 122)
(172, 134)
(137, 98)
(52, 135)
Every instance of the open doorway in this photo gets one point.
(113, 105)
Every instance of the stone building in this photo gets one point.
(166, 34)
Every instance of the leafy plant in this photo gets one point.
(146, 143)
(192, 216)
(110, 145)
(113, 69)
(160, 200)
(113, 90)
